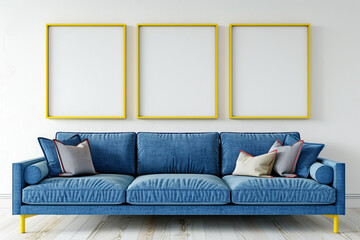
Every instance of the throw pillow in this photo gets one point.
(75, 160)
(322, 173)
(308, 155)
(287, 157)
(259, 166)
(50, 153)
(34, 173)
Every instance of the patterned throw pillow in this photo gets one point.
(75, 160)
(287, 157)
(49, 150)
(259, 166)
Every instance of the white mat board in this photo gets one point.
(86, 71)
(177, 71)
(269, 71)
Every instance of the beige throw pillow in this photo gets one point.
(259, 166)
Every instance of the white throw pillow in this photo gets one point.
(287, 157)
(75, 160)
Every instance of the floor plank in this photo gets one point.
(162, 228)
(73, 227)
(196, 228)
(269, 228)
(226, 228)
(54, 231)
(246, 227)
(113, 228)
(179, 228)
(132, 230)
(89, 227)
(211, 228)
(147, 228)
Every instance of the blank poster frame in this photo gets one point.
(48, 80)
(139, 115)
(231, 115)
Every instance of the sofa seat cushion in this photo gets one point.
(178, 189)
(278, 190)
(97, 189)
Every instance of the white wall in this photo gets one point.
(335, 71)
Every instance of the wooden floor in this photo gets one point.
(179, 227)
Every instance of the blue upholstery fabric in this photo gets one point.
(96, 189)
(18, 182)
(178, 189)
(338, 183)
(253, 143)
(110, 152)
(228, 209)
(322, 173)
(178, 153)
(50, 153)
(36, 172)
(279, 190)
(308, 155)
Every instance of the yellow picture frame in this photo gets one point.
(231, 116)
(47, 69)
(138, 72)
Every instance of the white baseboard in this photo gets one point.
(5, 196)
(352, 199)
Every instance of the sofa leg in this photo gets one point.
(22, 222)
(336, 222)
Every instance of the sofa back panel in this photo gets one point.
(178, 153)
(110, 152)
(252, 143)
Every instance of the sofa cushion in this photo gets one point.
(178, 153)
(253, 143)
(273, 191)
(90, 190)
(110, 152)
(178, 189)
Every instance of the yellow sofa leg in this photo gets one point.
(22, 222)
(336, 222)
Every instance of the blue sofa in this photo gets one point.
(173, 174)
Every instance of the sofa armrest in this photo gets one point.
(338, 183)
(19, 182)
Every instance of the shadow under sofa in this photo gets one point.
(173, 174)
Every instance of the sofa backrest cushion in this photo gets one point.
(252, 143)
(111, 152)
(178, 153)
